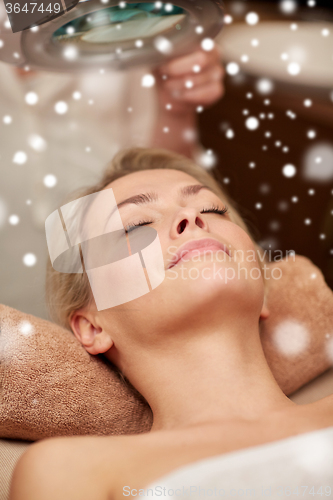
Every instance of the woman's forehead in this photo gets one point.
(158, 180)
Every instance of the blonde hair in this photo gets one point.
(67, 293)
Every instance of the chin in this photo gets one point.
(193, 291)
(216, 282)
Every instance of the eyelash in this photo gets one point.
(213, 209)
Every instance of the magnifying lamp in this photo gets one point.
(110, 34)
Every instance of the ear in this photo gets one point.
(264, 311)
(94, 338)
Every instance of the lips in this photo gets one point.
(209, 243)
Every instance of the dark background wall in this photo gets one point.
(319, 3)
(280, 222)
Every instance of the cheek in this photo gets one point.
(237, 238)
(245, 262)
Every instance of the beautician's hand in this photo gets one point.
(193, 80)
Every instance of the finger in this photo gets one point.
(184, 65)
(191, 81)
(205, 96)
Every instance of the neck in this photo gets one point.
(211, 375)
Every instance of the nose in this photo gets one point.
(187, 219)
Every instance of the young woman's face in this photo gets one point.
(215, 282)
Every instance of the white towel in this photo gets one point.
(298, 467)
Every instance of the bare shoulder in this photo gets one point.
(94, 467)
(73, 468)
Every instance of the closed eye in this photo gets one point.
(131, 227)
(216, 210)
(213, 209)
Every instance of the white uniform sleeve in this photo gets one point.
(143, 109)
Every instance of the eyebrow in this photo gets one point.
(145, 198)
(142, 199)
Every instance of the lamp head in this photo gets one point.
(112, 34)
